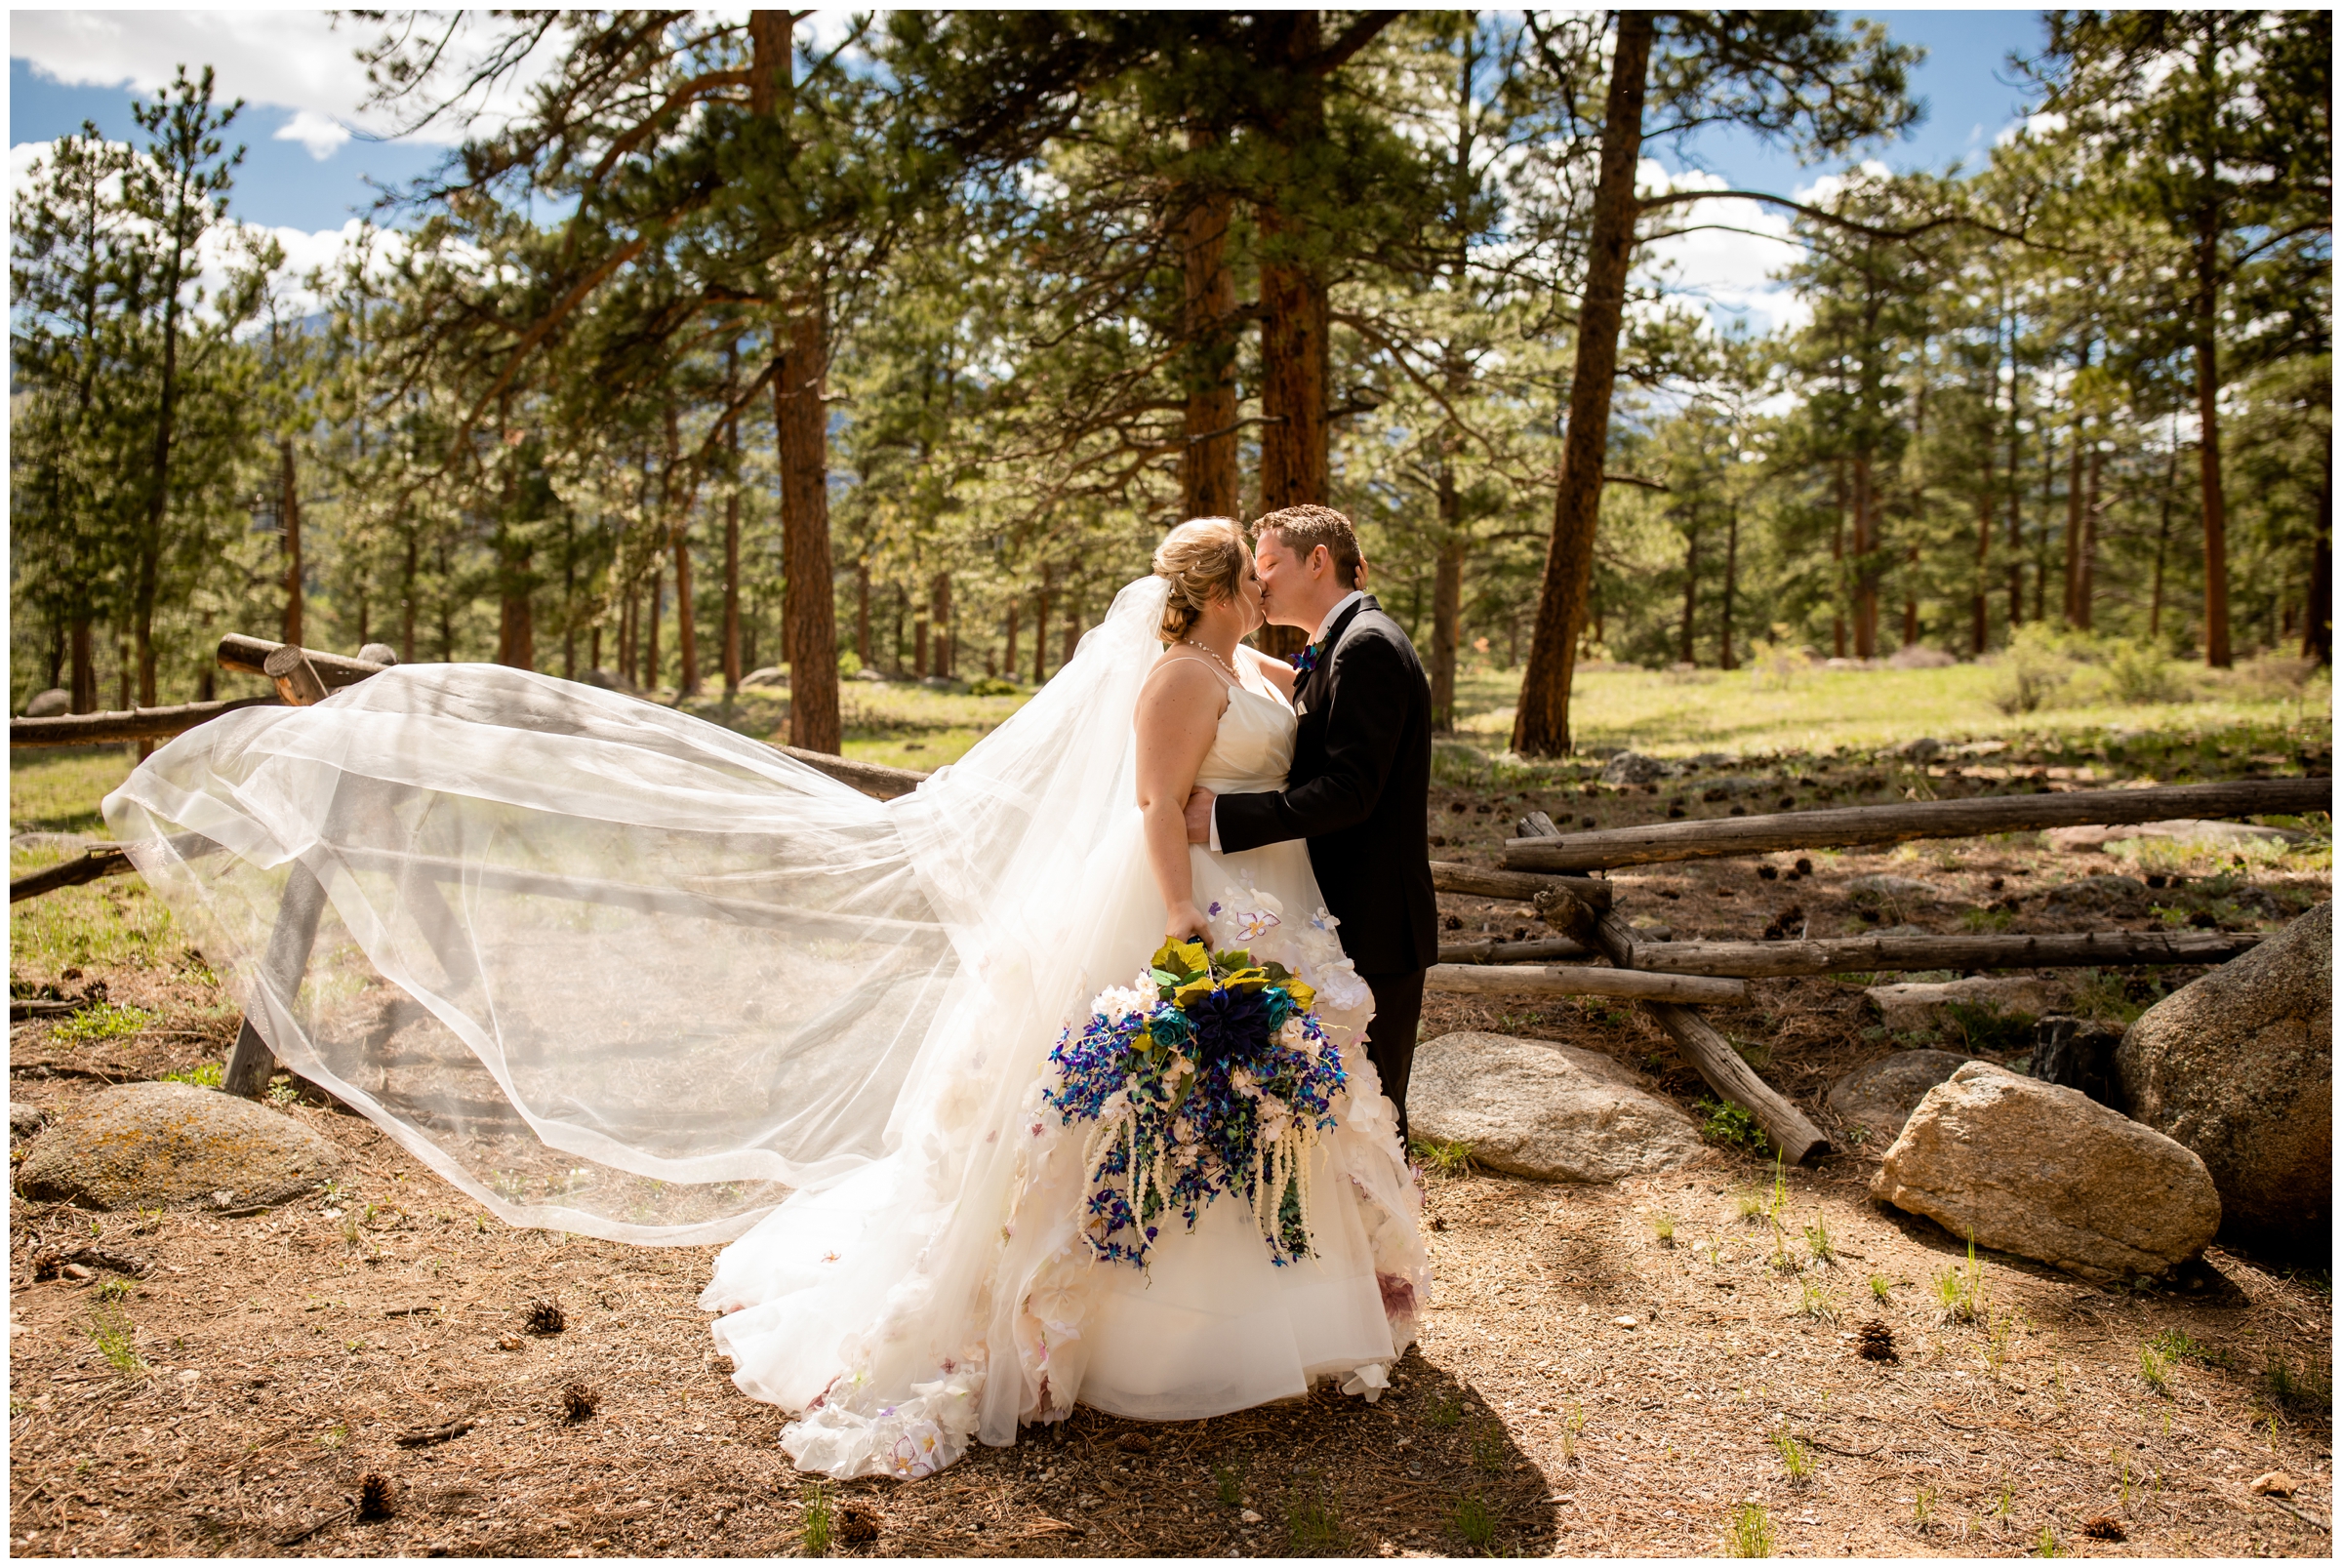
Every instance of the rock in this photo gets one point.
(53, 702)
(170, 1145)
(769, 675)
(609, 680)
(1920, 1004)
(380, 653)
(866, 673)
(1919, 656)
(25, 1120)
(2271, 1484)
(1882, 1094)
(2049, 1173)
(1711, 759)
(2239, 1065)
(1926, 748)
(2077, 1052)
(2097, 894)
(1633, 768)
(2179, 829)
(1556, 1112)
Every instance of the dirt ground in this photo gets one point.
(1664, 1368)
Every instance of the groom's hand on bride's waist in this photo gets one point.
(1199, 816)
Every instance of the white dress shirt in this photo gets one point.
(1331, 615)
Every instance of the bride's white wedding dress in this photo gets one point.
(611, 969)
(833, 1300)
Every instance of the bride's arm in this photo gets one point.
(1179, 714)
(1280, 673)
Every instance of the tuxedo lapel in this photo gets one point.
(1316, 685)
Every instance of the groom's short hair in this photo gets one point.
(1301, 529)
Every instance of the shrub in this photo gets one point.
(2033, 672)
(1474, 1525)
(2138, 672)
(1729, 1125)
(107, 1020)
(202, 1075)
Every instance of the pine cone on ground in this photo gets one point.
(578, 1401)
(546, 1318)
(856, 1526)
(1875, 1342)
(2105, 1527)
(374, 1496)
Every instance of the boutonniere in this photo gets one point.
(1307, 661)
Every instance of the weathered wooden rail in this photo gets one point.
(1853, 827)
(1841, 955)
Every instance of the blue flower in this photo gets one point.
(1230, 1027)
(1307, 661)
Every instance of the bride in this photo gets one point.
(612, 969)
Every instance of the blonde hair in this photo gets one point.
(1203, 560)
(1301, 529)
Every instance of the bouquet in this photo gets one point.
(1210, 1075)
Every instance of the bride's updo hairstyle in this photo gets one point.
(1204, 561)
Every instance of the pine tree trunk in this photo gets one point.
(1208, 479)
(1040, 631)
(2016, 498)
(2073, 499)
(1541, 724)
(1866, 578)
(1837, 560)
(1008, 658)
(1072, 630)
(2216, 652)
(1293, 310)
(918, 645)
(85, 666)
(1726, 658)
(2086, 574)
(289, 511)
(939, 615)
(406, 602)
(1691, 591)
(2163, 546)
(732, 669)
(2318, 616)
(808, 604)
(650, 658)
(1447, 603)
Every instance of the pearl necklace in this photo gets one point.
(1189, 642)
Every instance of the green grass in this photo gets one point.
(1796, 1458)
(1313, 1518)
(1446, 1409)
(816, 1527)
(116, 1339)
(1228, 1483)
(2180, 1346)
(58, 791)
(1747, 711)
(1473, 1523)
(1748, 1532)
(107, 1020)
(1442, 1157)
(202, 1075)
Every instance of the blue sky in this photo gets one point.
(311, 163)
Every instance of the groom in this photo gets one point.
(1360, 790)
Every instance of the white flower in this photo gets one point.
(1292, 1036)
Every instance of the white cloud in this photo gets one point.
(321, 133)
(1727, 256)
(296, 60)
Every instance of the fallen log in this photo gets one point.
(1846, 827)
(1477, 979)
(1712, 1055)
(250, 656)
(1871, 954)
(870, 777)
(1453, 876)
(136, 724)
(1489, 950)
(99, 860)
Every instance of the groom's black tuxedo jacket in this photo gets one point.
(1359, 791)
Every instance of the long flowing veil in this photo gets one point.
(613, 969)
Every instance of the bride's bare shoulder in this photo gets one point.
(1179, 682)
